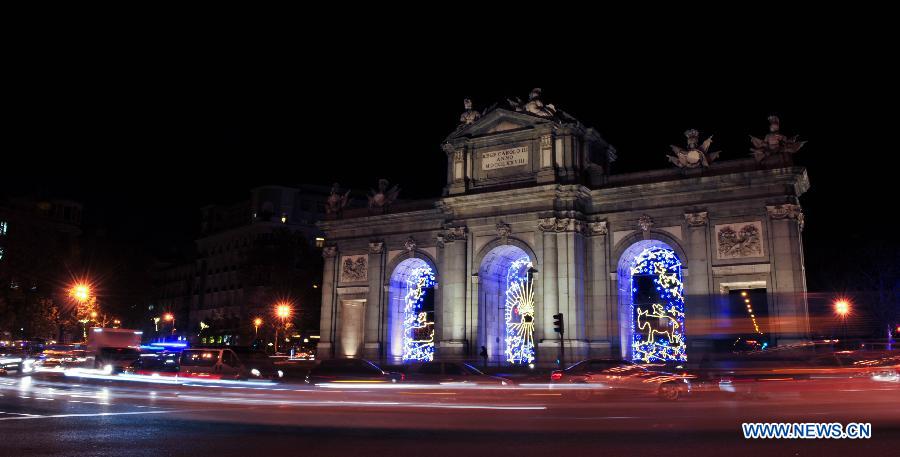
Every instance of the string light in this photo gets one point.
(750, 312)
(519, 312)
(418, 331)
(649, 344)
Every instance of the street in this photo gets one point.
(99, 417)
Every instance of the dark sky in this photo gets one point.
(147, 132)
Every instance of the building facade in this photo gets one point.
(232, 275)
(660, 265)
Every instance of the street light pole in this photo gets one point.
(282, 311)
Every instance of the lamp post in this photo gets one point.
(80, 293)
(282, 311)
(256, 323)
(169, 317)
(842, 309)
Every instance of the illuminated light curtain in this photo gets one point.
(657, 307)
(519, 313)
(418, 324)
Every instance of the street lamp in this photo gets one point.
(169, 317)
(842, 309)
(256, 323)
(80, 292)
(282, 311)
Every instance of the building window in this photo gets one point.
(320, 242)
(3, 228)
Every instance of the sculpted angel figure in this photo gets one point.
(336, 202)
(774, 143)
(694, 155)
(383, 197)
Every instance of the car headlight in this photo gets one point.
(280, 374)
(254, 372)
(108, 369)
(27, 366)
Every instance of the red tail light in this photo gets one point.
(556, 375)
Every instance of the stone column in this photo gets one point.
(453, 281)
(327, 323)
(698, 283)
(548, 346)
(788, 272)
(374, 316)
(600, 312)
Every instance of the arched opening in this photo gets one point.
(506, 304)
(411, 311)
(651, 303)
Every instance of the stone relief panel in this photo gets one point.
(739, 240)
(354, 268)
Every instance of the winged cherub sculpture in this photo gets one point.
(694, 155)
(336, 202)
(775, 144)
(383, 197)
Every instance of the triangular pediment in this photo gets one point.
(499, 121)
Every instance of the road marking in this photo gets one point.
(428, 393)
(54, 416)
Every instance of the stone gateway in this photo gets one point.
(654, 266)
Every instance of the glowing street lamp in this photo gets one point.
(842, 307)
(256, 323)
(169, 317)
(80, 292)
(282, 311)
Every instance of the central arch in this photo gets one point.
(506, 304)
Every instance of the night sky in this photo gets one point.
(145, 136)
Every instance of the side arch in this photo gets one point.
(409, 320)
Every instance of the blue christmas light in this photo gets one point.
(658, 328)
(418, 330)
(519, 313)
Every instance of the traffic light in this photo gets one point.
(558, 325)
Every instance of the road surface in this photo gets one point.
(61, 416)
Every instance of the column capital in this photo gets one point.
(451, 234)
(329, 252)
(697, 219)
(786, 212)
(558, 224)
(598, 228)
(376, 247)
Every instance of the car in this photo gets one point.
(155, 364)
(615, 375)
(59, 357)
(450, 373)
(12, 358)
(115, 359)
(349, 371)
(233, 362)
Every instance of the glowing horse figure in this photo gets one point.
(659, 313)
